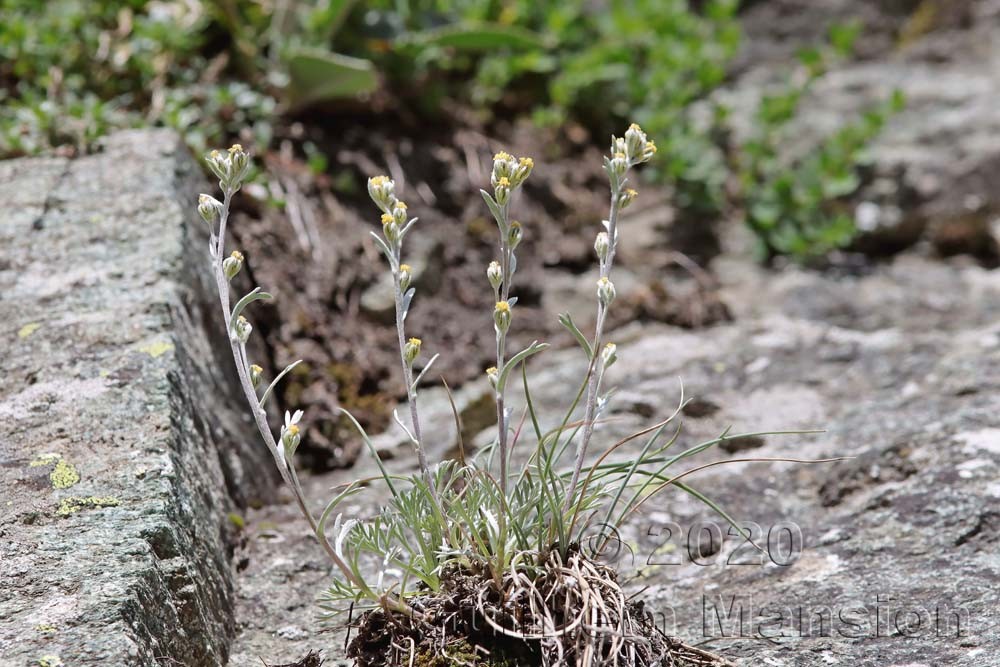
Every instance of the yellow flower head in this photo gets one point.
(235, 148)
(603, 281)
(415, 341)
(401, 204)
(635, 126)
(650, 146)
(404, 268)
(386, 218)
(237, 255)
(502, 307)
(256, 369)
(491, 370)
(214, 155)
(527, 162)
(620, 155)
(504, 182)
(294, 429)
(378, 180)
(631, 193)
(502, 156)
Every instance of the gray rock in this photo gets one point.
(119, 450)
(941, 155)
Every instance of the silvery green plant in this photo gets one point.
(473, 513)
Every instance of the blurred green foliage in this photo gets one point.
(214, 69)
(795, 202)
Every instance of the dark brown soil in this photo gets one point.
(454, 630)
(315, 255)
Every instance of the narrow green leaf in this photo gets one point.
(534, 348)
(479, 37)
(254, 295)
(374, 453)
(567, 322)
(274, 382)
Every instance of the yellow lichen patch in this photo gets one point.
(238, 522)
(64, 475)
(28, 329)
(157, 348)
(50, 661)
(44, 460)
(73, 505)
(45, 628)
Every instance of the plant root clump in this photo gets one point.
(554, 612)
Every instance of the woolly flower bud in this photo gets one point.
(291, 434)
(503, 167)
(411, 350)
(239, 159)
(619, 164)
(241, 329)
(399, 213)
(493, 376)
(635, 142)
(230, 167)
(231, 265)
(256, 373)
(495, 275)
(382, 190)
(602, 245)
(501, 316)
(405, 276)
(502, 190)
(389, 227)
(609, 354)
(605, 291)
(516, 234)
(627, 198)
(521, 171)
(649, 151)
(209, 208)
(618, 145)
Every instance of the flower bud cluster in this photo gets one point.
(231, 167)
(634, 147)
(382, 190)
(515, 170)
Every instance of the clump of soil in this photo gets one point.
(567, 613)
(310, 659)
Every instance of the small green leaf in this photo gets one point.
(567, 322)
(479, 37)
(274, 382)
(493, 206)
(534, 348)
(316, 75)
(255, 295)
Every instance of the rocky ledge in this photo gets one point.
(118, 453)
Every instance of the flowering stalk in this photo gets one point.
(633, 149)
(394, 228)
(232, 167)
(509, 173)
